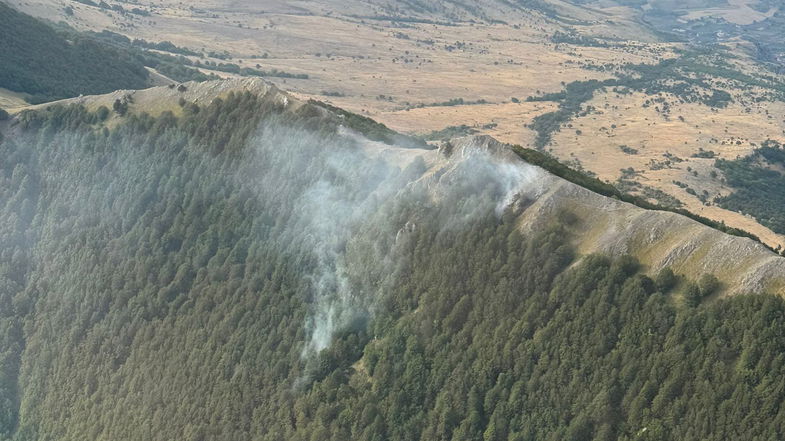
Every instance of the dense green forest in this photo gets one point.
(245, 272)
(48, 65)
(51, 62)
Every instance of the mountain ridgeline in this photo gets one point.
(243, 267)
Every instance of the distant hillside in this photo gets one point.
(241, 265)
(37, 60)
(456, 11)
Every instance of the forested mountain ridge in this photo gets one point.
(658, 238)
(242, 264)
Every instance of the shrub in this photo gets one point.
(665, 280)
(708, 284)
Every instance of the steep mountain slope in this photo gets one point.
(245, 265)
(38, 61)
(657, 238)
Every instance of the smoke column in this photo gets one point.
(340, 189)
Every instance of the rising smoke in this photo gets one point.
(343, 196)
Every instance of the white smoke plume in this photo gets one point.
(334, 188)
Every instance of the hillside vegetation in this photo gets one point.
(48, 65)
(244, 271)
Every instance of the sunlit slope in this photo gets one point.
(657, 238)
